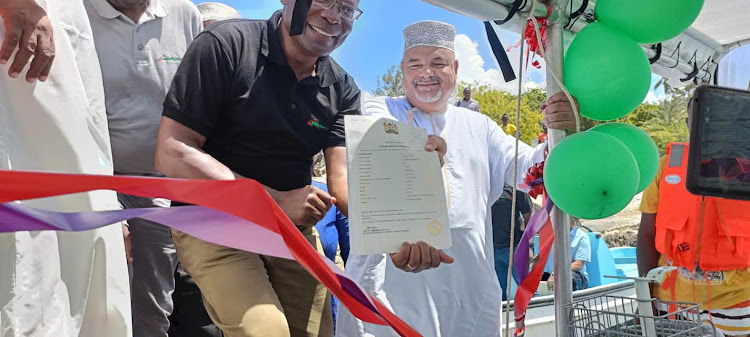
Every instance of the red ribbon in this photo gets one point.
(535, 180)
(530, 284)
(532, 43)
(244, 198)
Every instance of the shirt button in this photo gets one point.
(140, 47)
(138, 29)
(293, 106)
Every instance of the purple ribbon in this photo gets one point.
(521, 256)
(205, 223)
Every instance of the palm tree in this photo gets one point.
(389, 84)
(673, 108)
(663, 83)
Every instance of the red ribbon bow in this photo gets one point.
(532, 43)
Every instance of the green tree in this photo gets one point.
(494, 103)
(668, 122)
(390, 83)
(535, 97)
(642, 114)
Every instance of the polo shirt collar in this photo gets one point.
(326, 73)
(105, 9)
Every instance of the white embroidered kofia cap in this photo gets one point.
(430, 34)
(217, 11)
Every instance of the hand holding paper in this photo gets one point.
(396, 191)
(419, 256)
(437, 144)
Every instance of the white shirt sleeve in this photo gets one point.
(377, 107)
(502, 156)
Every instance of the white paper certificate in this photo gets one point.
(396, 190)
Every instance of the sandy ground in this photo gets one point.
(627, 217)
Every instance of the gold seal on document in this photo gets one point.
(434, 228)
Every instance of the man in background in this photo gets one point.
(467, 102)
(140, 45)
(333, 231)
(543, 136)
(509, 128)
(501, 227)
(215, 11)
(580, 255)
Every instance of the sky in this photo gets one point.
(376, 42)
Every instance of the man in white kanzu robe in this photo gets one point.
(59, 283)
(462, 298)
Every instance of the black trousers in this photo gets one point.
(189, 317)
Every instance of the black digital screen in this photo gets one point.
(723, 155)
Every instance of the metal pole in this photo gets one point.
(560, 220)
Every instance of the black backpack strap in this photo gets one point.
(499, 51)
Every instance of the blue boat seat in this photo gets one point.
(625, 259)
(602, 261)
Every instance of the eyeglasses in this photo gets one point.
(348, 12)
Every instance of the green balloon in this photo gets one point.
(591, 175)
(640, 145)
(607, 72)
(648, 21)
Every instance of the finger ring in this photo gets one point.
(408, 266)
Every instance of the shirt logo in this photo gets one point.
(314, 122)
(391, 128)
(673, 179)
(166, 58)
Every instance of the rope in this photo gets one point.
(557, 79)
(513, 211)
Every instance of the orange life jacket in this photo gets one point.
(714, 232)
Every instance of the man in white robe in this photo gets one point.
(58, 283)
(463, 298)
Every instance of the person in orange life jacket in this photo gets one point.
(543, 136)
(705, 238)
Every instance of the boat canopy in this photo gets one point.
(692, 57)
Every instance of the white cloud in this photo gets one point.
(472, 68)
(366, 96)
(652, 97)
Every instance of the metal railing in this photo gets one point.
(616, 316)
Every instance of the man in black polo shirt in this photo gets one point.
(251, 100)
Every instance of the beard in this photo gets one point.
(428, 99)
